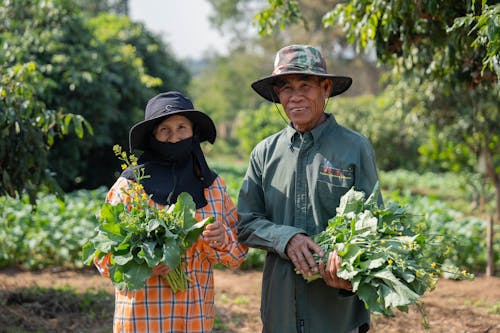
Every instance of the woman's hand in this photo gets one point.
(214, 234)
(329, 273)
(161, 269)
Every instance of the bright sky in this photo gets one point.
(182, 23)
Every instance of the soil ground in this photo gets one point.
(57, 300)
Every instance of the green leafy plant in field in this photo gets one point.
(139, 236)
(50, 233)
(386, 252)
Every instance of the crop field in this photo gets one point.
(45, 288)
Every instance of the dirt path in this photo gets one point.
(457, 307)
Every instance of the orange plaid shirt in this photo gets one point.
(156, 308)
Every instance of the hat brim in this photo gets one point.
(265, 86)
(202, 125)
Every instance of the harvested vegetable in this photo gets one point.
(386, 252)
(139, 236)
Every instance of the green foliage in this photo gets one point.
(255, 259)
(102, 70)
(485, 27)
(114, 99)
(387, 252)
(51, 233)
(141, 237)
(280, 13)
(28, 127)
(138, 235)
(386, 127)
(233, 173)
(217, 90)
(442, 154)
(255, 125)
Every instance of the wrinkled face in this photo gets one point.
(303, 98)
(173, 129)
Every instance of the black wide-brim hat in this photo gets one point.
(164, 105)
(302, 60)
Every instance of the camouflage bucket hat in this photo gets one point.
(299, 59)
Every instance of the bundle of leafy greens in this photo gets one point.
(385, 252)
(139, 236)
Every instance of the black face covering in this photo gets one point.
(175, 168)
(172, 153)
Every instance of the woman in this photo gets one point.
(170, 139)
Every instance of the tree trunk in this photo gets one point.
(495, 178)
(490, 264)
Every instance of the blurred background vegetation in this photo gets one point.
(75, 75)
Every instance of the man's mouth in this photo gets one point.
(298, 109)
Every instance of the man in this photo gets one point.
(292, 187)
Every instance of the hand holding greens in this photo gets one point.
(386, 253)
(139, 236)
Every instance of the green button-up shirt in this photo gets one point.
(293, 185)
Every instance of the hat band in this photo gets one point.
(298, 68)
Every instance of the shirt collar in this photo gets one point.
(292, 134)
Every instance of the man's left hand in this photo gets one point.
(329, 273)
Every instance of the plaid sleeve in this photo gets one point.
(232, 253)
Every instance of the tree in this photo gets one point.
(237, 19)
(29, 122)
(95, 7)
(103, 69)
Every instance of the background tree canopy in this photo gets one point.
(56, 61)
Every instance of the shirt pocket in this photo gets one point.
(332, 183)
(336, 177)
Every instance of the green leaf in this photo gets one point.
(111, 213)
(171, 253)
(88, 253)
(134, 275)
(366, 220)
(122, 259)
(372, 200)
(195, 231)
(125, 243)
(77, 123)
(373, 263)
(352, 201)
(368, 294)
(186, 209)
(153, 225)
(150, 255)
(103, 243)
(396, 293)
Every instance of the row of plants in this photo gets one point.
(53, 232)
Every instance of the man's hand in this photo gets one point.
(300, 250)
(329, 273)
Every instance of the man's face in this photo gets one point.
(303, 98)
